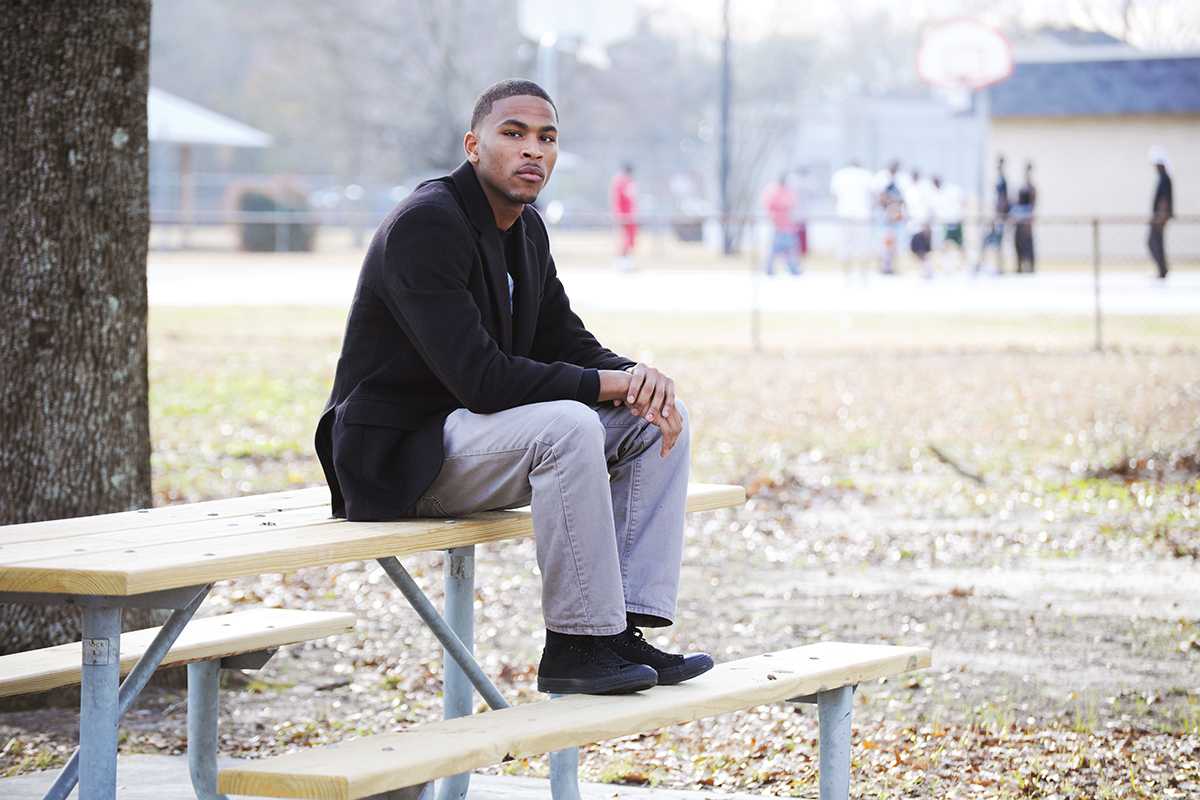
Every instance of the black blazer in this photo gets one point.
(430, 331)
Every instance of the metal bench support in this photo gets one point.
(834, 709)
(422, 791)
(564, 774)
(203, 715)
(457, 693)
(438, 627)
(564, 771)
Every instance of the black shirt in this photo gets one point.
(512, 255)
(1164, 197)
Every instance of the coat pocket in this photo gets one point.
(380, 413)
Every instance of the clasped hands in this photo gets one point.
(649, 394)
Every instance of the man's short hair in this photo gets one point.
(513, 87)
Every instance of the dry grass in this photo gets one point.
(1055, 595)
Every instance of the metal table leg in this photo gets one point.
(134, 682)
(458, 694)
(98, 703)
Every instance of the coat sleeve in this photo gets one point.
(427, 260)
(560, 334)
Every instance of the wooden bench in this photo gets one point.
(401, 764)
(222, 638)
(242, 640)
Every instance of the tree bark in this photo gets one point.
(74, 227)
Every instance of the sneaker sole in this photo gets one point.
(617, 684)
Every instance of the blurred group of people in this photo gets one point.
(886, 213)
(1013, 213)
(882, 214)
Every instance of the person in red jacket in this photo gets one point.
(623, 201)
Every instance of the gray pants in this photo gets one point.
(607, 507)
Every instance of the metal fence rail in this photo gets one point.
(1090, 237)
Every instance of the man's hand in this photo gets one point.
(651, 395)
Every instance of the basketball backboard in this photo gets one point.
(595, 24)
(963, 54)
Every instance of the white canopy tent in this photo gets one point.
(177, 121)
(173, 119)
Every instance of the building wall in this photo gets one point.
(1098, 167)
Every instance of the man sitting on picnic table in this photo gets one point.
(466, 383)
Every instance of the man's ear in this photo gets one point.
(471, 145)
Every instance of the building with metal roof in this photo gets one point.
(1135, 83)
(1086, 117)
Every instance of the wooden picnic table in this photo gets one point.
(169, 558)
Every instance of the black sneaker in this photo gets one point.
(672, 668)
(589, 665)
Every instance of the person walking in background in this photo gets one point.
(891, 207)
(803, 192)
(993, 240)
(853, 201)
(779, 202)
(948, 210)
(1022, 216)
(1162, 209)
(918, 202)
(623, 202)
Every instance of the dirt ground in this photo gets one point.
(1031, 514)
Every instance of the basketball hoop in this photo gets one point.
(594, 24)
(963, 54)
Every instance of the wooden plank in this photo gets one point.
(202, 639)
(164, 515)
(128, 541)
(164, 565)
(363, 767)
(190, 563)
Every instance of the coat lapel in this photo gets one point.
(479, 211)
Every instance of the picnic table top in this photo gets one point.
(135, 552)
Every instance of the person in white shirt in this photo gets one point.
(918, 201)
(949, 208)
(854, 199)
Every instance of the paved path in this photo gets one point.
(257, 281)
(149, 777)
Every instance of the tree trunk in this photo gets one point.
(74, 225)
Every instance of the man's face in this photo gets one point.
(515, 147)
